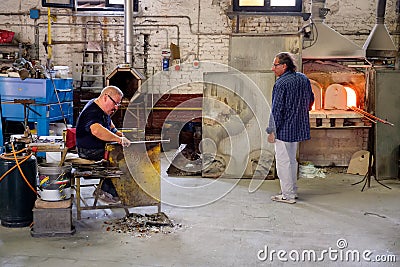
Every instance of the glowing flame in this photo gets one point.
(351, 97)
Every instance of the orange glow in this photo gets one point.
(251, 3)
(351, 97)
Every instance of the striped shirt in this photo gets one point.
(292, 99)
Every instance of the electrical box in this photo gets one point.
(34, 13)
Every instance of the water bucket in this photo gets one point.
(54, 181)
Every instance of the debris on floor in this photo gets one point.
(186, 162)
(308, 170)
(142, 225)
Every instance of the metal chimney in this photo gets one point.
(379, 44)
(128, 31)
(328, 43)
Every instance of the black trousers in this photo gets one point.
(98, 154)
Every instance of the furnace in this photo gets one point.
(336, 131)
(342, 76)
(129, 80)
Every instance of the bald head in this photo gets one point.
(112, 91)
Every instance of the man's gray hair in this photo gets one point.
(111, 90)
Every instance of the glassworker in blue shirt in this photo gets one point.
(94, 128)
(292, 99)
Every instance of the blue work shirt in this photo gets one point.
(91, 114)
(292, 99)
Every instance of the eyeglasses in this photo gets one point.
(115, 102)
(276, 65)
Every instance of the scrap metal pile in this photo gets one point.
(142, 225)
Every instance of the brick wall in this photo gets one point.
(200, 28)
(341, 144)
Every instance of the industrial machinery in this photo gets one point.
(50, 101)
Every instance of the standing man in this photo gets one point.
(292, 99)
(94, 128)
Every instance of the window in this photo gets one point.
(58, 3)
(251, 2)
(115, 3)
(105, 5)
(268, 5)
(90, 5)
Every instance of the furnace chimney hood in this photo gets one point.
(379, 44)
(328, 43)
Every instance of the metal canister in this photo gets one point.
(17, 198)
(55, 181)
(165, 63)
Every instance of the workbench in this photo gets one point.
(135, 172)
(53, 101)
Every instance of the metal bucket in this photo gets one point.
(54, 181)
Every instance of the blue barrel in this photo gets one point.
(16, 198)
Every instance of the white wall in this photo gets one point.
(201, 28)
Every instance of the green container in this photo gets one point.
(16, 198)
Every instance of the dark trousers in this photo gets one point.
(98, 154)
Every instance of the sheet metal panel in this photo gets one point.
(140, 183)
(387, 138)
(256, 53)
(235, 116)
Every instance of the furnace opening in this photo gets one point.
(351, 97)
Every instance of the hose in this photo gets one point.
(18, 161)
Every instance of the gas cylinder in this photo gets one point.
(17, 199)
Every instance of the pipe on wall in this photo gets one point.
(128, 31)
(109, 27)
(102, 15)
(380, 12)
(118, 27)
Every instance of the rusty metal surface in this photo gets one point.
(140, 184)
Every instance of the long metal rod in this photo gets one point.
(147, 141)
(369, 116)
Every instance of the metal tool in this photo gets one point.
(370, 116)
(371, 148)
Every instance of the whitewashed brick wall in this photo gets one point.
(204, 30)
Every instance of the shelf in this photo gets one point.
(9, 44)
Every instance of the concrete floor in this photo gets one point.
(331, 215)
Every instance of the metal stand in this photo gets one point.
(26, 103)
(371, 167)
